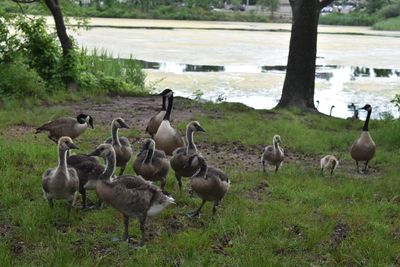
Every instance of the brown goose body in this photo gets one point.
(152, 164)
(168, 138)
(88, 169)
(131, 195)
(61, 182)
(155, 121)
(66, 126)
(273, 154)
(181, 155)
(210, 184)
(364, 148)
(121, 145)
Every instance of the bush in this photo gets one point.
(390, 11)
(18, 80)
(392, 24)
(354, 19)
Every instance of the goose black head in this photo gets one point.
(167, 92)
(120, 123)
(66, 143)
(83, 118)
(367, 107)
(195, 126)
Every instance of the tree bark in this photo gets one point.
(66, 43)
(299, 85)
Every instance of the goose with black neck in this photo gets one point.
(364, 148)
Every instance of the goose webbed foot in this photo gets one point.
(194, 214)
(122, 170)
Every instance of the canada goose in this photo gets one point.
(210, 184)
(61, 182)
(155, 121)
(363, 149)
(329, 162)
(131, 195)
(317, 104)
(152, 164)
(66, 126)
(355, 111)
(88, 169)
(273, 154)
(121, 145)
(181, 155)
(168, 138)
(330, 112)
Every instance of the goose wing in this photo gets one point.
(58, 123)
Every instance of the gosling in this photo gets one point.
(329, 162)
(273, 154)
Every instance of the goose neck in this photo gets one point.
(62, 160)
(149, 156)
(169, 108)
(110, 167)
(164, 107)
(189, 140)
(114, 135)
(366, 123)
(203, 170)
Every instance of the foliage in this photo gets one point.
(271, 5)
(354, 18)
(19, 80)
(396, 101)
(373, 6)
(390, 11)
(392, 24)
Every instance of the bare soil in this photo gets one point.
(136, 111)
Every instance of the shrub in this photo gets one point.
(354, 18)
(392, 24)
(390, 11)
(18, 80)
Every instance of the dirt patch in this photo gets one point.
(221, 243)
(19, 130)
(339, 234)
(260, 191)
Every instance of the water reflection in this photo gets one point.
(324, 72)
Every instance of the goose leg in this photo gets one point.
(263, 163)
(358, 169)
(163, 182)
(179, 179)
(365, 167)
(52, 138)
(332, 171)
(322, 172)
(82, 190)
(121, 171)
(214, 210)
(197, 212)
(126, 224)
(143, 230)
(69, 207)
(276, 168)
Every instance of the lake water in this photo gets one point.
(246, 62)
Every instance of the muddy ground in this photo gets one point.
(137, 110)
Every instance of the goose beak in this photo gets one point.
(124, 125)
(200, 129)
(95, 153)
(72, 146)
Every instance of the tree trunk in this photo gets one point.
(298, 88)
(66, 43)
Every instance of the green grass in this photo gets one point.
(392, 24)
(291, 223)
(353, 19)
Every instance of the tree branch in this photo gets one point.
(23, 1)
(324, 3)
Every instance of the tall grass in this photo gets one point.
(391, 24)
(353, 18)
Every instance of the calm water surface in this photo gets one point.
(249, 67)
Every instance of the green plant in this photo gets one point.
(390, 11)
(396, 101)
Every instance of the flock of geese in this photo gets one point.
(136, 196)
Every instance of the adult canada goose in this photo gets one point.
(273, 154)
(210, 184)
(66, 126)
(155, 121)
(61, 182)
(131, 195)
(330, 112)
(88, 169)
(122, 147)
(168, 138)
(363, 149)
(181, 155)
(152, 164)
(329, 162)
(317, 104)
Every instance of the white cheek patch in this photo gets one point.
(90, 185)
(155, 209)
